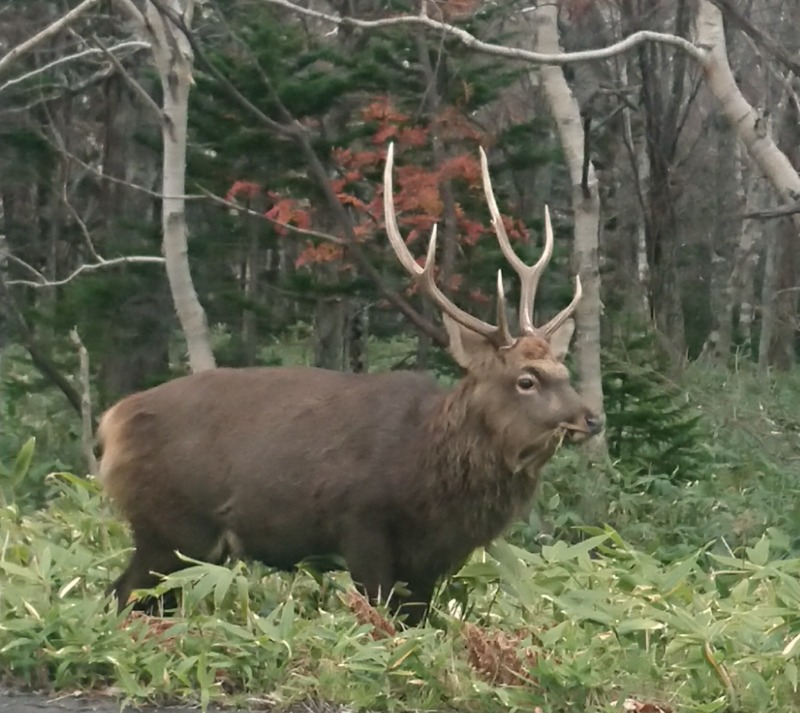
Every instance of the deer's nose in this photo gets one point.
(594, 424)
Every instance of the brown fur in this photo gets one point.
(397, 476)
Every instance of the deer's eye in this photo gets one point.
(526, 383)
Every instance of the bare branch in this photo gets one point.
(137, 88)
(768, 213)
(134, 13)
(761, 38)
(91, 267)
(71, 58)
(81, 223)
(39, 356)
(249, 211)
(514, 53)
(39, 276)
(45, 34)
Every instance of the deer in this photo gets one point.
(391, 474)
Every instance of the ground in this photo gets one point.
(17, 702)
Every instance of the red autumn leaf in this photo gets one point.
(243, 189)
(347, 199)
(454, 282)
(287, 212)
(382, 110)
(315, 254)
(472, 231)
(385, 133)
(465, 167)
(478, 296)
(362, 231)
(413, 136)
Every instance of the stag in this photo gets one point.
(396, 476)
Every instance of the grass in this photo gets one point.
(684, 596)
(572, 627)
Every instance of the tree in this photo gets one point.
(173, 58)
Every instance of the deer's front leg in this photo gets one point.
(371, 564)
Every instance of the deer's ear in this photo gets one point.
(560, 339)
(466, 347)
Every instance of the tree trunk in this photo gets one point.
(741, 293)
(586, 207)
(250, 286)
(750, 125)
(329, 326)
(357, 337)
(729, 204)
(173, 59)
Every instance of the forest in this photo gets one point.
(194, 184)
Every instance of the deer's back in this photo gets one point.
(294, 455)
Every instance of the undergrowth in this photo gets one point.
(665, 579)
(582, 626)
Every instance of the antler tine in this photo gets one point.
(549, 328)
(425, 276)
(502, 314)
(528, 274)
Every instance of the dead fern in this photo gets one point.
(500, 658)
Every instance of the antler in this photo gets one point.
(424, 277)
(528, 274)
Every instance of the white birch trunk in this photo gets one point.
(173, 59)
(749, 125)
(566, 113)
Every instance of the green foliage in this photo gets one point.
(596, 622)
(36, 432)
(682, 591)
(651, 425)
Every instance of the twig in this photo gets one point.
(768, 213)
(91, 267)
(249, 211)
(71, 58)
(45, 34)
(40, 358)
(87, 440)
(137, 88)
(81, 223)
(722, 674)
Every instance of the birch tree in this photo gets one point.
(585, 204)
(172, 55)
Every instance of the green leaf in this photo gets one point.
(678, 574)
(642, 624)
(222, 586)
(790, 671)
(759, 555)
(16, 570)
(22, 463)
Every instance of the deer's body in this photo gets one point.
(390, 472)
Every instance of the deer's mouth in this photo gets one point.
(574, 434)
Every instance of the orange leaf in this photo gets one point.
(245, 189)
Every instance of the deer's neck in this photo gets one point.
(473, 473)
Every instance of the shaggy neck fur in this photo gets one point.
(476, 476)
